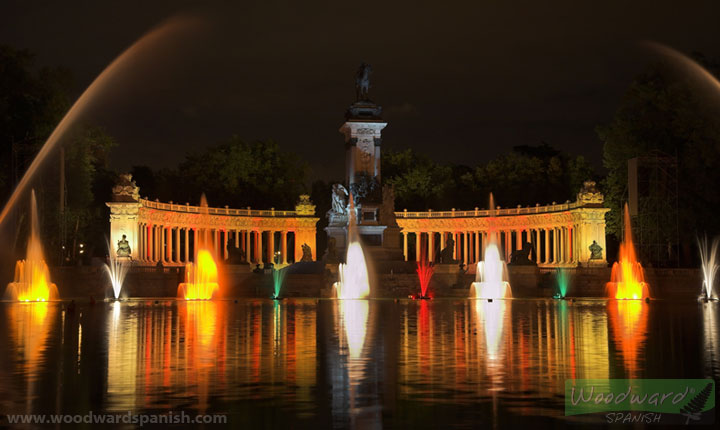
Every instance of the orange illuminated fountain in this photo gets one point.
(32, 277)
(353, 282)
(628, 279)
(201, 276)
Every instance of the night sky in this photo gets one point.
(459, 81)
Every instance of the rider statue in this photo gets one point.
(362, 82)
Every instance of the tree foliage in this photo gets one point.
(664, 113)
(234, 173)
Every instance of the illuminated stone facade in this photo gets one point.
(166, 232)
(559, 234)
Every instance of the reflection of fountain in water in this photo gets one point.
(492, 316)
(32, 277)
(148, 42)
(711, 339)
(354, 315)
(122, 364)
(201, 276)
(709, 264)
(353, 282)
(628, 278)
(116, 270)
(491, 279)
(629, 320)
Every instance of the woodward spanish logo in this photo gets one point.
(649, 401)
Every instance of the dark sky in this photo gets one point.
(460, 81)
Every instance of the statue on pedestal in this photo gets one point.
(595, 251)
(123, 247)
(446, 255)
(307, 253)
(362, 82)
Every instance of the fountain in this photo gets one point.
(278, 277)
(353, 282)
(562, 283)
(116, 270)
(425, 272)
(201, 276)
(32, 277)
(627, 280)
(491, 276)
(149, 42)
(709, 264)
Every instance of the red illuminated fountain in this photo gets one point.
(425, 270)
(201, 276)
(628, 279)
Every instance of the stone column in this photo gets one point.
(283, 247)
(547, 246)
(456, 251)
(518, 240)
(271, 246)
(466, 248)
(478, 236)
(431, 245)
(405, 244)
(561, 232)
(187, 245)
(177, 244)
(418, 240)
(248, 245)
(237, 238)
(258, 246)
(556, 247)
(225, 243)
(442, 240)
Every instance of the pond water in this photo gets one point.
(344, 364)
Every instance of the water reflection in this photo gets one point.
(344, 363)
(711, 338)
(628, 319)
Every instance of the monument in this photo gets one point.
(374, 203)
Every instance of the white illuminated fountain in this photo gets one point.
(491, 276)
(353, 282)
(116, 270)
(709, 264)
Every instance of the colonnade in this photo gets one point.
(549, 246)
(177, 244)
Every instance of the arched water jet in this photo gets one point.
(161, 33)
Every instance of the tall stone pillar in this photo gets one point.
(431, 246)
(518, 239)
(418, 245)
(456, 251)
(547, 246)
(271, 246)
(283, 247)
(466, 248)
(187, 246)
(478, 236)
(258, 246)
(237, 238)
(248, 240)
(405, 244)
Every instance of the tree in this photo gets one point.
(663, 113)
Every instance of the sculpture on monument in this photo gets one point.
(595, 251)
(125, 190)
(123, 247)
(521, 257)
(362, 81)
(338, 199)
(446, 255)
(307, 253)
